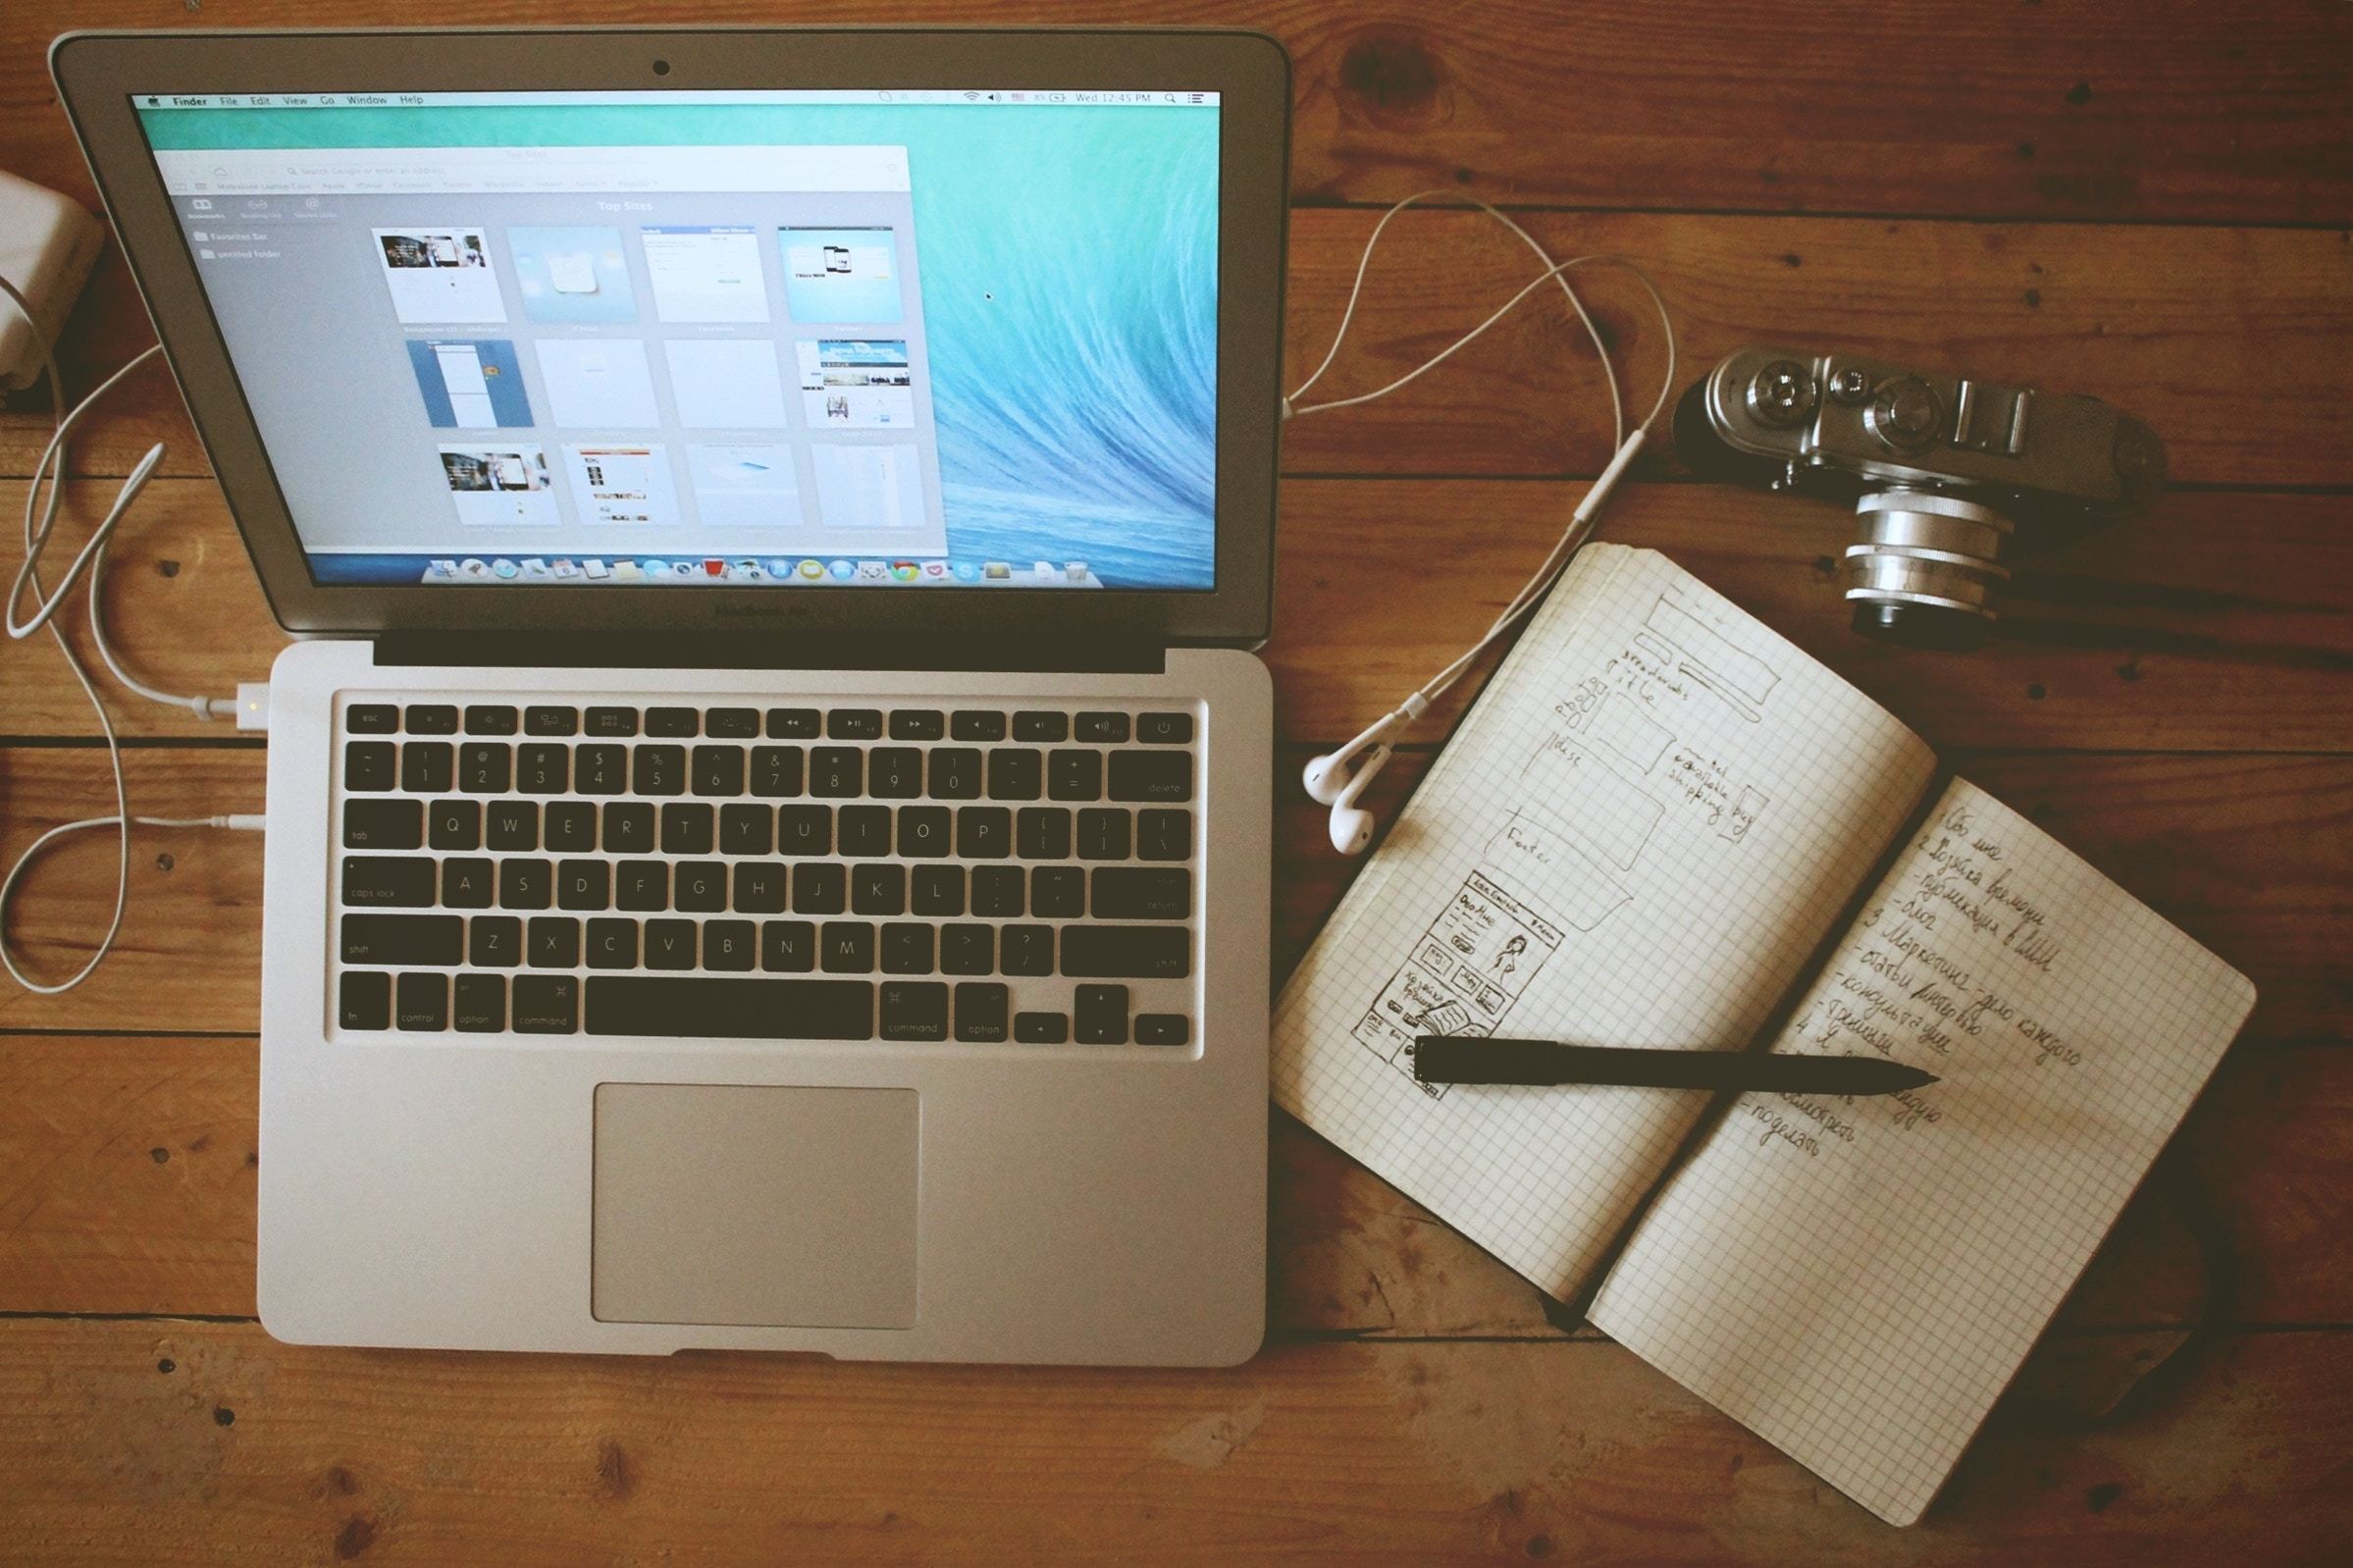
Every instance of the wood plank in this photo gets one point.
(2124, 313)
(197, 1444)
(2233, 111)
(127, 1186)
(190, 954)
(2231, 342)
(126, 1174)
(2248, 854)
(2219, 622)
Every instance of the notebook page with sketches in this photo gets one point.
(1649, 820)
(1856, 1280)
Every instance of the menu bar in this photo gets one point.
(347, 171)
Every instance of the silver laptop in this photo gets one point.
(768, 809)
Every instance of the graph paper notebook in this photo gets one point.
(1660, 826)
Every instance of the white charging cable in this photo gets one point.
(40, 521)
(1339, 778)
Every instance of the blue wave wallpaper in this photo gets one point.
(1067, 261)
(1074, 345)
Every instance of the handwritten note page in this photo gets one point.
(1856, 1279)
(1652, 816)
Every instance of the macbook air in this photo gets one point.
(768, 802)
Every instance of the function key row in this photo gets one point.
(778, 723)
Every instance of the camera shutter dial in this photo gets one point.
(1906, 415)
(1781, 393)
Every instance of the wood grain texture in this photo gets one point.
(190, 954)
(2232, 343)
(2172, 110)
(2151, 203)
(126, 1174)
(2249, 855)
(197, 1444)
(2219, 622)
(127, 1169)
(2035, 304)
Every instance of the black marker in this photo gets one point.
(1473, 1058)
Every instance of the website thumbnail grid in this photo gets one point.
(820, 359)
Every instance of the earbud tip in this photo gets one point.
(1351, 831)
(1324, 780)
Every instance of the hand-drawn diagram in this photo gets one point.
(1465, 973)
(1568, 885)
(1743, 816)
(1741, 679)
(1633, 748)
(1580, 790)
(1617, 723)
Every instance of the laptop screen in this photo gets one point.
(813, 339)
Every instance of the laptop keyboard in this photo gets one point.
(970, 873)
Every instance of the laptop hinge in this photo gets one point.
(687, 651)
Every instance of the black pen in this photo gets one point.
(1475, 1059)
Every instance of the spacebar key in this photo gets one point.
(690, 1007)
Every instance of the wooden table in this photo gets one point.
(2147, 202)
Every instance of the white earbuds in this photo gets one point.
(1336, 779)
(1325, 776)
(1329, 778)
(1351, 823)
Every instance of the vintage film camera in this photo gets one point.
(1942, 469)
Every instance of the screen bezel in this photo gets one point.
(97, 73)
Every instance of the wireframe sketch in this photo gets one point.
(1581, 792)
(1743, 814)
(1464, 975)
(1741, 679)
(1559, 880)
(1621, 726)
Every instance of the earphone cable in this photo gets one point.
(1617, 411)
(1580, 526)
(41, 520)
(1352, 827)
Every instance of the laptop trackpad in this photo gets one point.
(766, 1207)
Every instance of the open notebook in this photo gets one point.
(1663, 825)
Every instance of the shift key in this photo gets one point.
(428, 941)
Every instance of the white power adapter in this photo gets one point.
(48, 243)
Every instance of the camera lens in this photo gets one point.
(1925, 571)
(662, 67)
